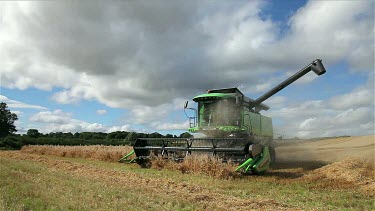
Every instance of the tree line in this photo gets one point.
(10, 140)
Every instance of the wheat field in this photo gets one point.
(89, 178)
(95, 152)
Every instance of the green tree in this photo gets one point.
(155, 135)
(68, 135)
(11, 142)
(7, 120)
(186, 135)
(33, 133)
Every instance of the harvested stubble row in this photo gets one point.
(198, 164)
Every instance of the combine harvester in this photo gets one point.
(235, 129)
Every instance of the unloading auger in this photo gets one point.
(235, 129)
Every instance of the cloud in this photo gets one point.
(143, 56)
(60, 121)
(334, 30)
(276, 101)
(101, 112)
(170, 126)
(57, 117)
(17, 104)
(153, 115)
(357, 98)
(120, 54)
(338, 125)
(347, 114)
(146, 114)
(120, 128)
(330, 30)
(18, 113)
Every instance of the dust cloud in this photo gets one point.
(311, 154)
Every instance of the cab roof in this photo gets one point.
(215, 94)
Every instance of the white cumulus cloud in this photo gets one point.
(347, 114)
(142, 56)
(121, 56)
(101, 112)
(17, 104)
(60, 121)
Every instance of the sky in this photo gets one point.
(129, 65)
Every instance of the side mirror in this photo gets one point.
(186, 104)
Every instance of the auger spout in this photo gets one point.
(316, 66)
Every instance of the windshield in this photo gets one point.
(223, 112)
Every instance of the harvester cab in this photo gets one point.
(234, 128)
(224, 113)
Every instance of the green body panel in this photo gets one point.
(266, 126)
(125, 158)
(255, 126)
(258, 164)
(248, 162)
(193, 129)
(264, 161)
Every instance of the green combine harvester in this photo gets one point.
(234, 128)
